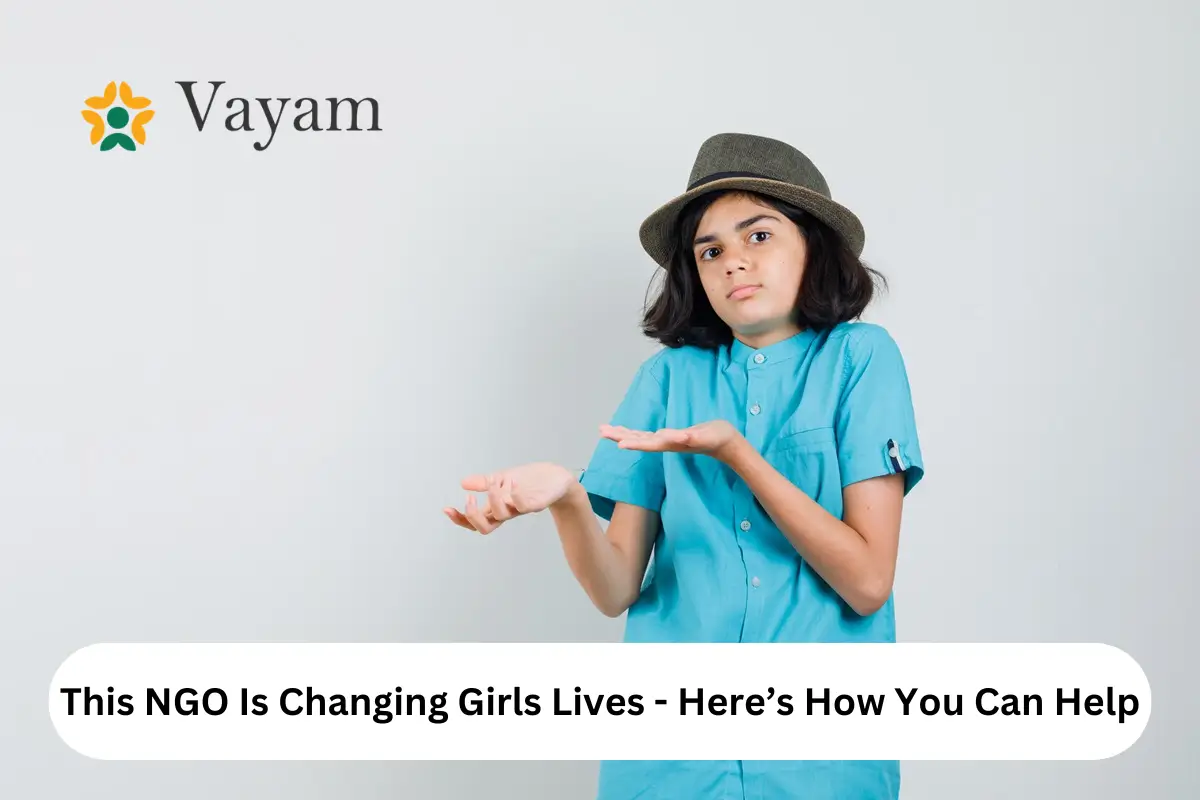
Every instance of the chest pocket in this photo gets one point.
(807, 458)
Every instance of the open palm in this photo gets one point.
(511, 492)
(707, 437)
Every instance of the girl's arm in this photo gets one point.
(608, 565)
(857, 556)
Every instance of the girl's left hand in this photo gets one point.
(709, 438)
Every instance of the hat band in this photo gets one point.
(716, 176)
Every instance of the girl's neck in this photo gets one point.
(757, 340)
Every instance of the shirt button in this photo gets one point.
(894, 453)
(745, 524)
(759, 358)
(755, 409)
(754, 581)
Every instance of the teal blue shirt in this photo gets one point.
(825, 408)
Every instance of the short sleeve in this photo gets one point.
(630, 476)
(876, 424)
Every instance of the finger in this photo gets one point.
(458, 519)
(475, 483)
(519, 506)
(477, 517)
(644, 440)
(510, 497)
(497, 506)
(612, 432)
(619, 432)
(632, 442)
(666, 439)
(526, 500)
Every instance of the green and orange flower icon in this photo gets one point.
(117, 117)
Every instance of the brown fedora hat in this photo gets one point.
(754, 163)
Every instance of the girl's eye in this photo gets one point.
(704, 255)
(760, 233)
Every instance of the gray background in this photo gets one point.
(238, 386)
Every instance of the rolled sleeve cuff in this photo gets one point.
(606, 489)
(865, 461)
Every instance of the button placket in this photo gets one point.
(756, 406)
(756, 403)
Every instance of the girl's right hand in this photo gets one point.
(512, 492)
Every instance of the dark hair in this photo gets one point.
(836, 287)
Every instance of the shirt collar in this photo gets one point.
(760, 358)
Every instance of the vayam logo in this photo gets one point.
(109, 130)
(269, 113)
(123, 125)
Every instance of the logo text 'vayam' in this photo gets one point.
(312, 117)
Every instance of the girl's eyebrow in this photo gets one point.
(740, 226)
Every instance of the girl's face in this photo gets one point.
(750, 258)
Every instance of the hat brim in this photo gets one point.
(655, 232)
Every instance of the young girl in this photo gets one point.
(762, 456)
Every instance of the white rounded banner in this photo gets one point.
(486, 701)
